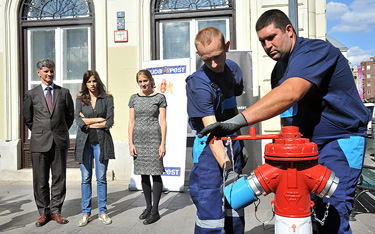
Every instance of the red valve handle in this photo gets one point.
(252, 136)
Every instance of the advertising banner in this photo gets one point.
(169, 76)
(360, 82)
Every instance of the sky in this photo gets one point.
(352, 22)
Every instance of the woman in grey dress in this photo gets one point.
(147, 136)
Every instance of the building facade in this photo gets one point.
(114, 37)
(368, 74)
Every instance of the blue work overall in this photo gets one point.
(205, 180)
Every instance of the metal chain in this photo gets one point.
(229, 142)
(263, 222)
(323, 220)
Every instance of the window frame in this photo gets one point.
(23, 26)
(156, 17)
(194, 25)
(58, 73)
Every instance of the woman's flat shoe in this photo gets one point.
(151, 219)
(84, 221)
(105, 219)
(145, 214)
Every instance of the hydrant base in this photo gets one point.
(285, 225)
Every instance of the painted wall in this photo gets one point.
(3, 96)
(122, 63)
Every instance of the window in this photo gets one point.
(188, 5)
(178, 36)
(68, 42)
(71, 54)
(368, 92)
(176, 22)
(368, 67)
(368, 83)
(55, 9)
(368, 76)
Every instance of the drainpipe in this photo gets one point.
(293, 14)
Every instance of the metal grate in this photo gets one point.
(55, 9)
(192, 5)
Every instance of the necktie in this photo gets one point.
(49, 99)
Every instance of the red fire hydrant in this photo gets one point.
(292, 172)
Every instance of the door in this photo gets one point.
(70, 48)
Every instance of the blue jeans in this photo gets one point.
(93, 151)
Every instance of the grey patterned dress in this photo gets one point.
(147, 133)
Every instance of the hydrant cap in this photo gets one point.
(290, 132)
(291, 147)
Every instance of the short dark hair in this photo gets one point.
(276, 17)
(205, 35)
(148, 74)
(45, 63)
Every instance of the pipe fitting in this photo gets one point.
(255, 184)
(330, 186)
(240, 194)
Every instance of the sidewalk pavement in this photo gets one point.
(18, 211)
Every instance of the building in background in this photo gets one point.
(114, 37)
(357, 75)
(368, 72)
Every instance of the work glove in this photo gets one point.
(221, 129)
(230, 177)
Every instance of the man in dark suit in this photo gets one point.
(48, 112)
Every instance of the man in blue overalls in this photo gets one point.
(211, 96)
(316, 76)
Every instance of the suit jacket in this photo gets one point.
(47, 127)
